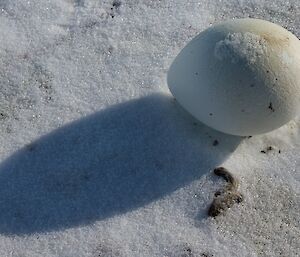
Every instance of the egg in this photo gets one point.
(241, 77)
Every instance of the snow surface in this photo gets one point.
(97, 159)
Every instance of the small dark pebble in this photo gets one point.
(218, 193)
(271, 107)
(2, 116)
(269, 148)
(210, 114)
(249, 136)
(239, 199)
(188, 250)
(215, 143)
(279, 151)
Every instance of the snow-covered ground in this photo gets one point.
(98, 160)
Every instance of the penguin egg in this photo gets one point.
(241, 77)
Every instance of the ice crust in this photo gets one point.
(237, 46)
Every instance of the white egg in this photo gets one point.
(241, 77)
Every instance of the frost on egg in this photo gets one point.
(240, 46)
(241, 77)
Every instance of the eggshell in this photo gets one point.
(241, 77)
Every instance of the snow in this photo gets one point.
(245, 45)
(97, 159)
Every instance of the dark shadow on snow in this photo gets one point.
(106, 164)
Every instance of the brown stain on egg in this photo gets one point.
(275, 40)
